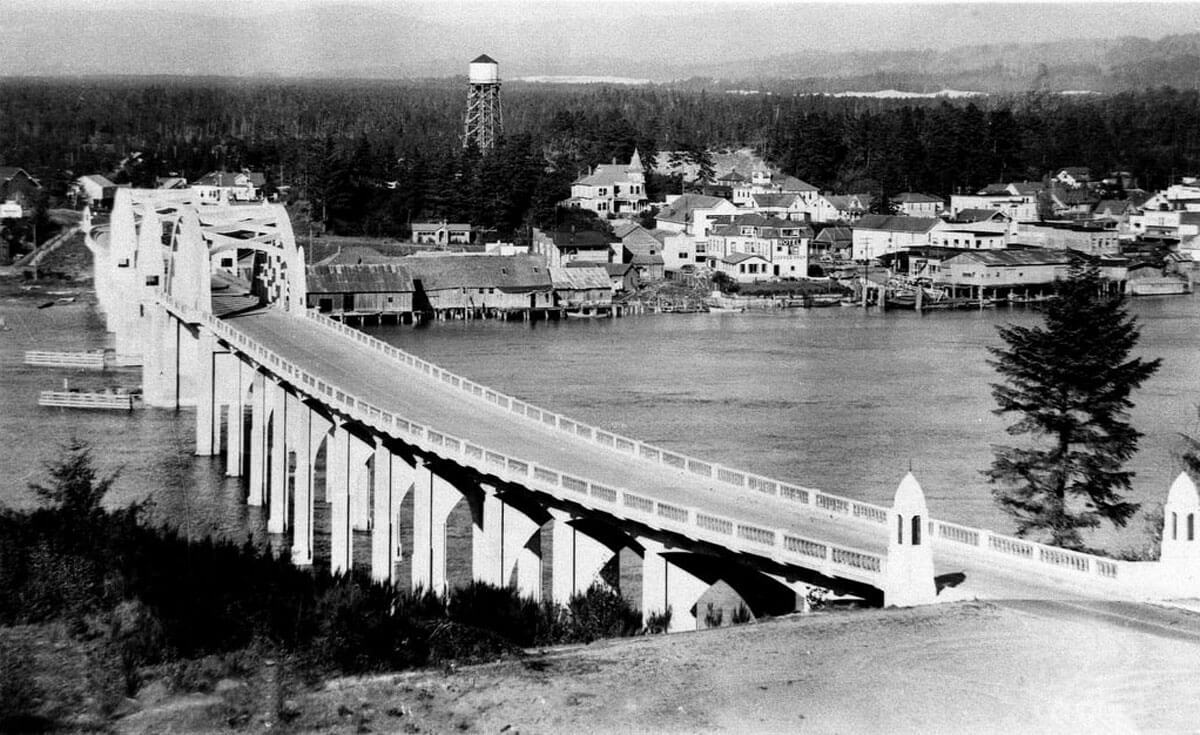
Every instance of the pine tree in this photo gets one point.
(1069, 382)
(74, 490)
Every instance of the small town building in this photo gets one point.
(479, 285)
(641, 249)
(584, 288)
(880, 234)
(611, 189)
(783, 243)
(1018, 200)
(832, 244)
(361, 290)
(783, 206)
(1084, 238)
(692, 213)
(1018, 274)
(838, 207)
(230, 186)
(560, 248)
(95, 191)
(764, 180)
(441, 234)
(1074, 176)
(915, 204)
(744, 267)
(18, 187)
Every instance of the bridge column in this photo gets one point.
(908, 573)
(206, 399)
(312, 428)
(668, 586)
(160, 368)
(393, 479)
(347, 473)
(433, 499)
(299, 486)
(243, 375)
(508, 539)
(576, 558)
(258, 443)
(277, 512)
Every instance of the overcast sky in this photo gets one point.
(290, 37)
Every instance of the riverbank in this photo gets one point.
(967, 667)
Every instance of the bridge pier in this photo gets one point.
(277, 510)
(433, 500)
(667, 586)
(576, 557)
(347, 483)
(506, 541)
(160, 366)
(394, 478)
(258, 416)
(207, 409)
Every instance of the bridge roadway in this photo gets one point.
(417, 397)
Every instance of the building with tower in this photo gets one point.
(611, 189)
(485, 123)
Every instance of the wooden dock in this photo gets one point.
(93, 360)
(74, 399)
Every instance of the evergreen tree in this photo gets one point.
(1069, 381)
(74, 489)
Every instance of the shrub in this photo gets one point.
(21, 696)
(600, 612)
(658, 622)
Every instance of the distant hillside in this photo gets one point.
(1095, 65)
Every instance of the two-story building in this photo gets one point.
(230, 186)
(18, 187)
(641, 249)
(915, 204)
(1017, 200)
(611, 189)
(560, 248)
(876, 235)
(1091, 239)
(765, 181)
(783, 244)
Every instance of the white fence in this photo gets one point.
(68, 399)
(87, 360)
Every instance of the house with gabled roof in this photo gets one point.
(832, 244)
(360, 289)
(640, 248)
(838, 207)
(611, 189)
(744, 267)
(441, 234)
(584, 287)
(915, 204)
(764, 180)
(691, 213)
(783, 243)
(784, 206)
(230, 186)
(879, 234)
(475, 282)
(561, 247)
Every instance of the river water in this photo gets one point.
(842, 399)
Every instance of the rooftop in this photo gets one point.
(896, 223)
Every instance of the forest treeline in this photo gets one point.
(372, 156)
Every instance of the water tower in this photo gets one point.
(484, 121)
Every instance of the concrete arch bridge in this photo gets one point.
(427, 478)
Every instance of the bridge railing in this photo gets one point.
(830, 503)
(775, 543)
(782, 544)
(1048, 558)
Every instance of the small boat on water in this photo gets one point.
(821, 300)
(582, 315)
(714, 309)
